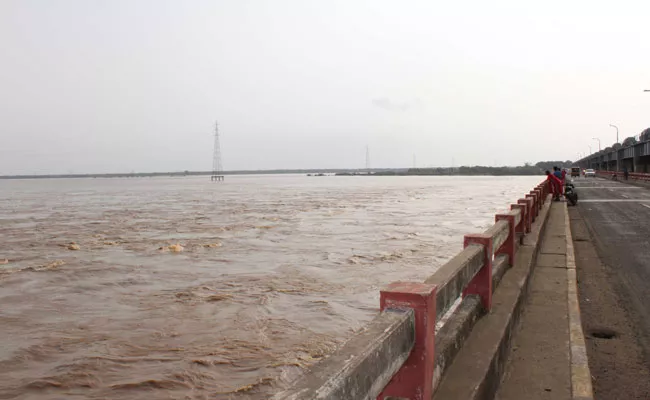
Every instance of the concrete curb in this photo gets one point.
(581, 388)
(477, 370)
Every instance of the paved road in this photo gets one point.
(611, 229)
(619, 217)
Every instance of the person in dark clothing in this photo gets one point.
(626, 173)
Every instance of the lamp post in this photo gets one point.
(598, 143)
(614, 126)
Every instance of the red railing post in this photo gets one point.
(414, 381)
(535, 209)
(536, 204)
(521, 228)
(481, 284)
(540, 199)
(528, 203)
(508, 247)
(547, 189)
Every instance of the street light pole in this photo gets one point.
(590, 152)
(598, 143)
(614, 126)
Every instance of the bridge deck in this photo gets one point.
(611, 230)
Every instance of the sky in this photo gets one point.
(91, 86)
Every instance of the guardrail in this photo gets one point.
(400, 354)
(635, 176)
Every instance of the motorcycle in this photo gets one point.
(570, 194)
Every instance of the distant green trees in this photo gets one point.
(473, 170)
(526, 169)
(548, 165)
(477, 170)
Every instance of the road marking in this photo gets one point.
(615, 201)
(580, 374)
(645, 205)
(626, 196)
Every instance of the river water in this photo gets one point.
(179, 288)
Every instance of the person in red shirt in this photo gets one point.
(556, 185)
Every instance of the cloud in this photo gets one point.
(388, 104)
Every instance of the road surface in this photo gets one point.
(611, 231)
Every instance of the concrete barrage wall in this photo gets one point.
(632, 176)
(633, 154)
(400, 353)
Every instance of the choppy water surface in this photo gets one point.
(275, 272)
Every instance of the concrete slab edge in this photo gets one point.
(484, 386)
(581, 388)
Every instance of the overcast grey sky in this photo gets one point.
(135, 85)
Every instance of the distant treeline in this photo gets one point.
(176, 174)
(548, 165)
(527, 169)
(476, 170)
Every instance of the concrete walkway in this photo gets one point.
(539, 364)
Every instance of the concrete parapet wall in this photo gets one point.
(364, 365)
(400, 354)
(632, 176)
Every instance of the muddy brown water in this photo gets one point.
(274, 273)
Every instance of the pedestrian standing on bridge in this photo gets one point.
(559, 174)
(555, 185)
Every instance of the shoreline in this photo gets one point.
(462, 171)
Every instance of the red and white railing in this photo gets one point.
(399, 352)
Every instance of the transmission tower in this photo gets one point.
(368, 158)
(217, 168)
